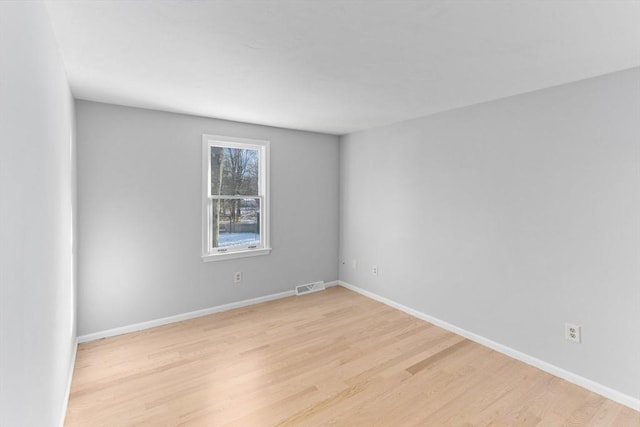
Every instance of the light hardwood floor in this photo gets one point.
(330, 358)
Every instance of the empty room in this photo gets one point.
(319, 213)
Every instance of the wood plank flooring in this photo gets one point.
(331, 358)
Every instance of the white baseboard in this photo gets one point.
(186, 316)
(69, 381)
(593, 386)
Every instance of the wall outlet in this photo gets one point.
(354, 264)
(237, 277)
(572, 332)
(374, 270)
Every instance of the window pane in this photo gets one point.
(234, 171)
(238, 223)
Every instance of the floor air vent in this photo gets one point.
(310, 288)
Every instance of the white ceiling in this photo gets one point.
(335, 66)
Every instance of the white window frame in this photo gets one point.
(208, 252)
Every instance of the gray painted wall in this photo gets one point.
(509, 219)
(139, 216)
(37, 292)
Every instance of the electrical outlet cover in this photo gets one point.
(572, 332)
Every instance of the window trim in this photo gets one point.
(263, 191)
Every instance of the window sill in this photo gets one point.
(233, 255)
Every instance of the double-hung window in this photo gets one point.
(235, 208)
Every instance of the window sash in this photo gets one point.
(211, 249)
(252, 147)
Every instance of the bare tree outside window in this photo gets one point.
(217, 160)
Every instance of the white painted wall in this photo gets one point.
(139, 216)
(37, 292)
(508, 219)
